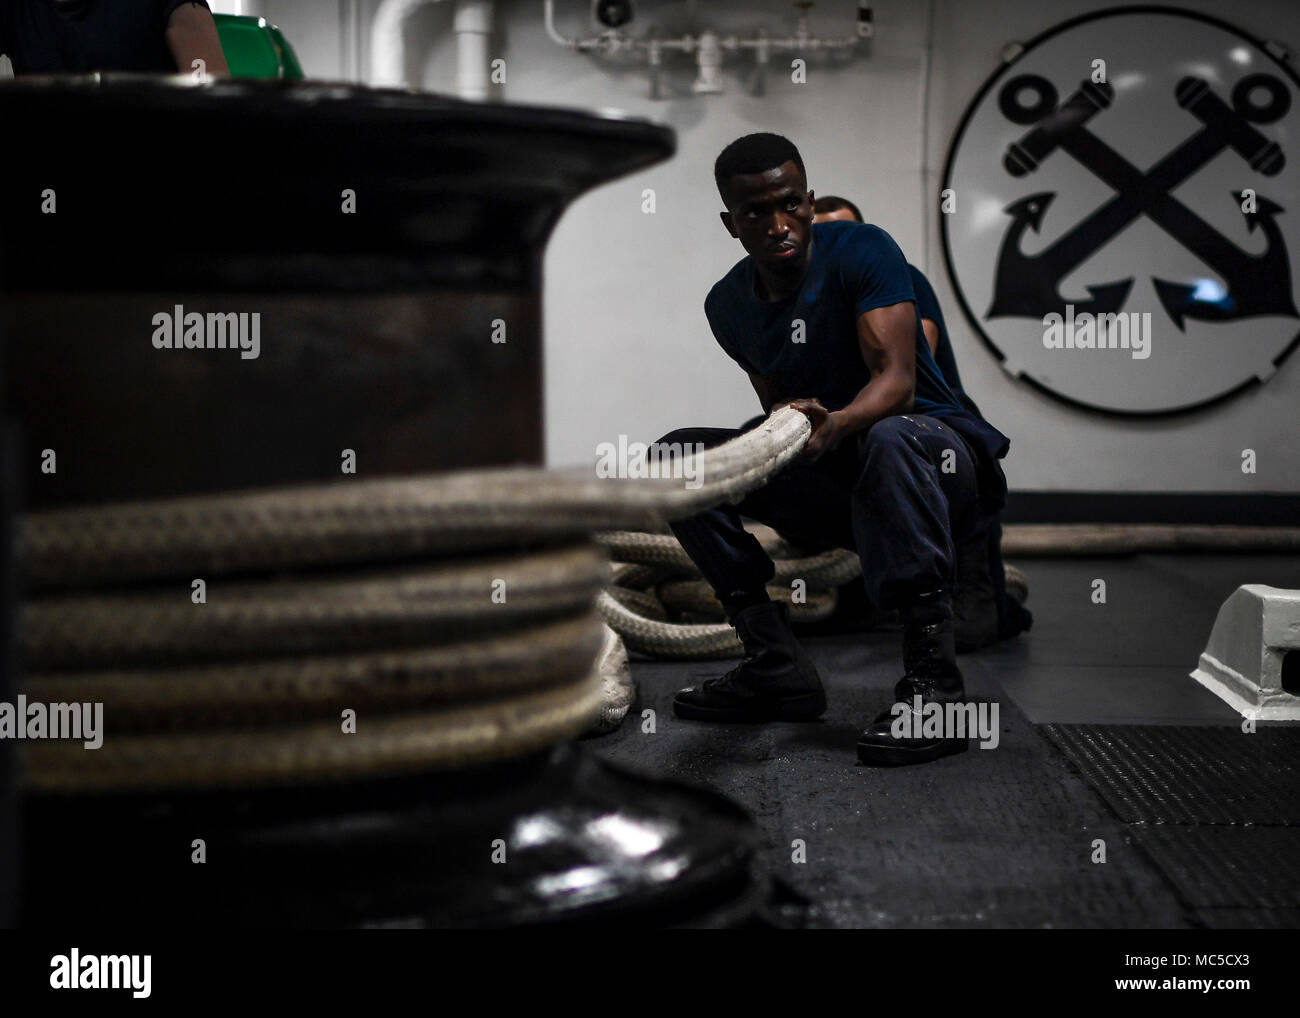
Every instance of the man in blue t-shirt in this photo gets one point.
(823, 318)
(981, 576)
(73, 36)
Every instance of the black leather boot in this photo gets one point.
(931, 673)
(775, 682)
(975, 602)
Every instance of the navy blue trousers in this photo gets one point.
(902, 495)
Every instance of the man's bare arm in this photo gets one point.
(192, 35)
(887, 339)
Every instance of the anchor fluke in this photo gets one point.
(1029, 286)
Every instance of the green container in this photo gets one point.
(255, 49)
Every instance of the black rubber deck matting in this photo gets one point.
(1187, 774)
(1253, 918)
(1216, 809)
(990, 838)
(1225, 867)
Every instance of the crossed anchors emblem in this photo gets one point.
(1029, 286)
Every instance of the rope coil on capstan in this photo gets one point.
(402, 607)
(377, 598)
(386, 744)
(299, 688)
(385, 520)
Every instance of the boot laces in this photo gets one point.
(729, 681)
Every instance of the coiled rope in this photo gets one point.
(361, 628)
(378, 600)
(659, 606)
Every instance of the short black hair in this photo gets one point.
(833, 203)
(754, 153)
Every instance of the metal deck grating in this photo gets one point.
(1189, 774)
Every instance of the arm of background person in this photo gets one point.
(931, 335)
(192, 35)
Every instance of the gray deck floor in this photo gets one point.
(1001, 837)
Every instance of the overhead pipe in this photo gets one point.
(472, 25)
(709, 47)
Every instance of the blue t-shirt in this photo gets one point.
(927, 306)
(855, 267)
(806, 344)
(43, 37)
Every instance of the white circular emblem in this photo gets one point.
(1122, 225)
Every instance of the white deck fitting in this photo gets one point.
(1242, 663)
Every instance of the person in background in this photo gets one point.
(79, 36)
(1013, 617)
